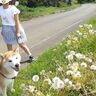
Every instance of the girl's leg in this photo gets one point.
(9, 47)
(25, 48)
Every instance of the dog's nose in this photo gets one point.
(17, 65)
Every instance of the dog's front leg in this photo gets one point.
(4, 93)
(11, 86)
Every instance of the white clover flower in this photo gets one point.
(35, 78)
(72, 52)
(90, 25)
(65, 53)
(86, 25)
(22, 86)
(88, 59)
(77, 86)
(91, 31)
(80, 56)
(95, 32)
(83, 64)
(80, 33)
(68, 42)
(69, 36)
(69, 66)
(57, 83)
(93, 67)
(48, 95)
(42, 72)
(60, 69)
(38, 93)
(69, 57)
(56, 79)
(80, 26)
(60, 84)
(54, 49)
(75, 38)
(70, 83)
(77, 74)
(75, 66)
(49, 81)
(77, 31)
(54, 86)
(31, 88)
(69, 72)
(66, 81)
(50, 72)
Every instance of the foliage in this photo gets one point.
(64, 70)
(28, 13)
(23, 2)
(84, 1)
(35, 3)
(54, 3)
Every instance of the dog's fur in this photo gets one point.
(9, 68)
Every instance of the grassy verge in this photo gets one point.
(69, 69)
(93, 22)
(29, 13)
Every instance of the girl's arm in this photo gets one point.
(17, 23)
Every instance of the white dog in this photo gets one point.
(9, 68)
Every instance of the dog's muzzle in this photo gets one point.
(16, 68)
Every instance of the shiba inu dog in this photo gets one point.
(9, 68)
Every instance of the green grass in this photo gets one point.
(54, 57)
(29, 13)
(93, 22)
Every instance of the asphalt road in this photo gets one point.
(46, 31)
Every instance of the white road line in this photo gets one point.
(44, 40)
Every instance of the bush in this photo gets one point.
(23, 2)
(34, 3)
(83, 1)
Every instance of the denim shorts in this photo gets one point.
(9, 34)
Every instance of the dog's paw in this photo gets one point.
(12, 90)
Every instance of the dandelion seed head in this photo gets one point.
(35, 78)
(83, 64)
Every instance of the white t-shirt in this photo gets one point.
(7, 15)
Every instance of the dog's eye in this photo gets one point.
(10, 61)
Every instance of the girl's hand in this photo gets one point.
(17, 34)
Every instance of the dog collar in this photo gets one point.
(7, 77)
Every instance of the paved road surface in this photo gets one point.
(46, 31)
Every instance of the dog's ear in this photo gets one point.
(16, 50)
(1, 56)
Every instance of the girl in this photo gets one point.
(12, 30)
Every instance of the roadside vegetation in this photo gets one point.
(35, 8)
(68, 69)
(29, 13)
